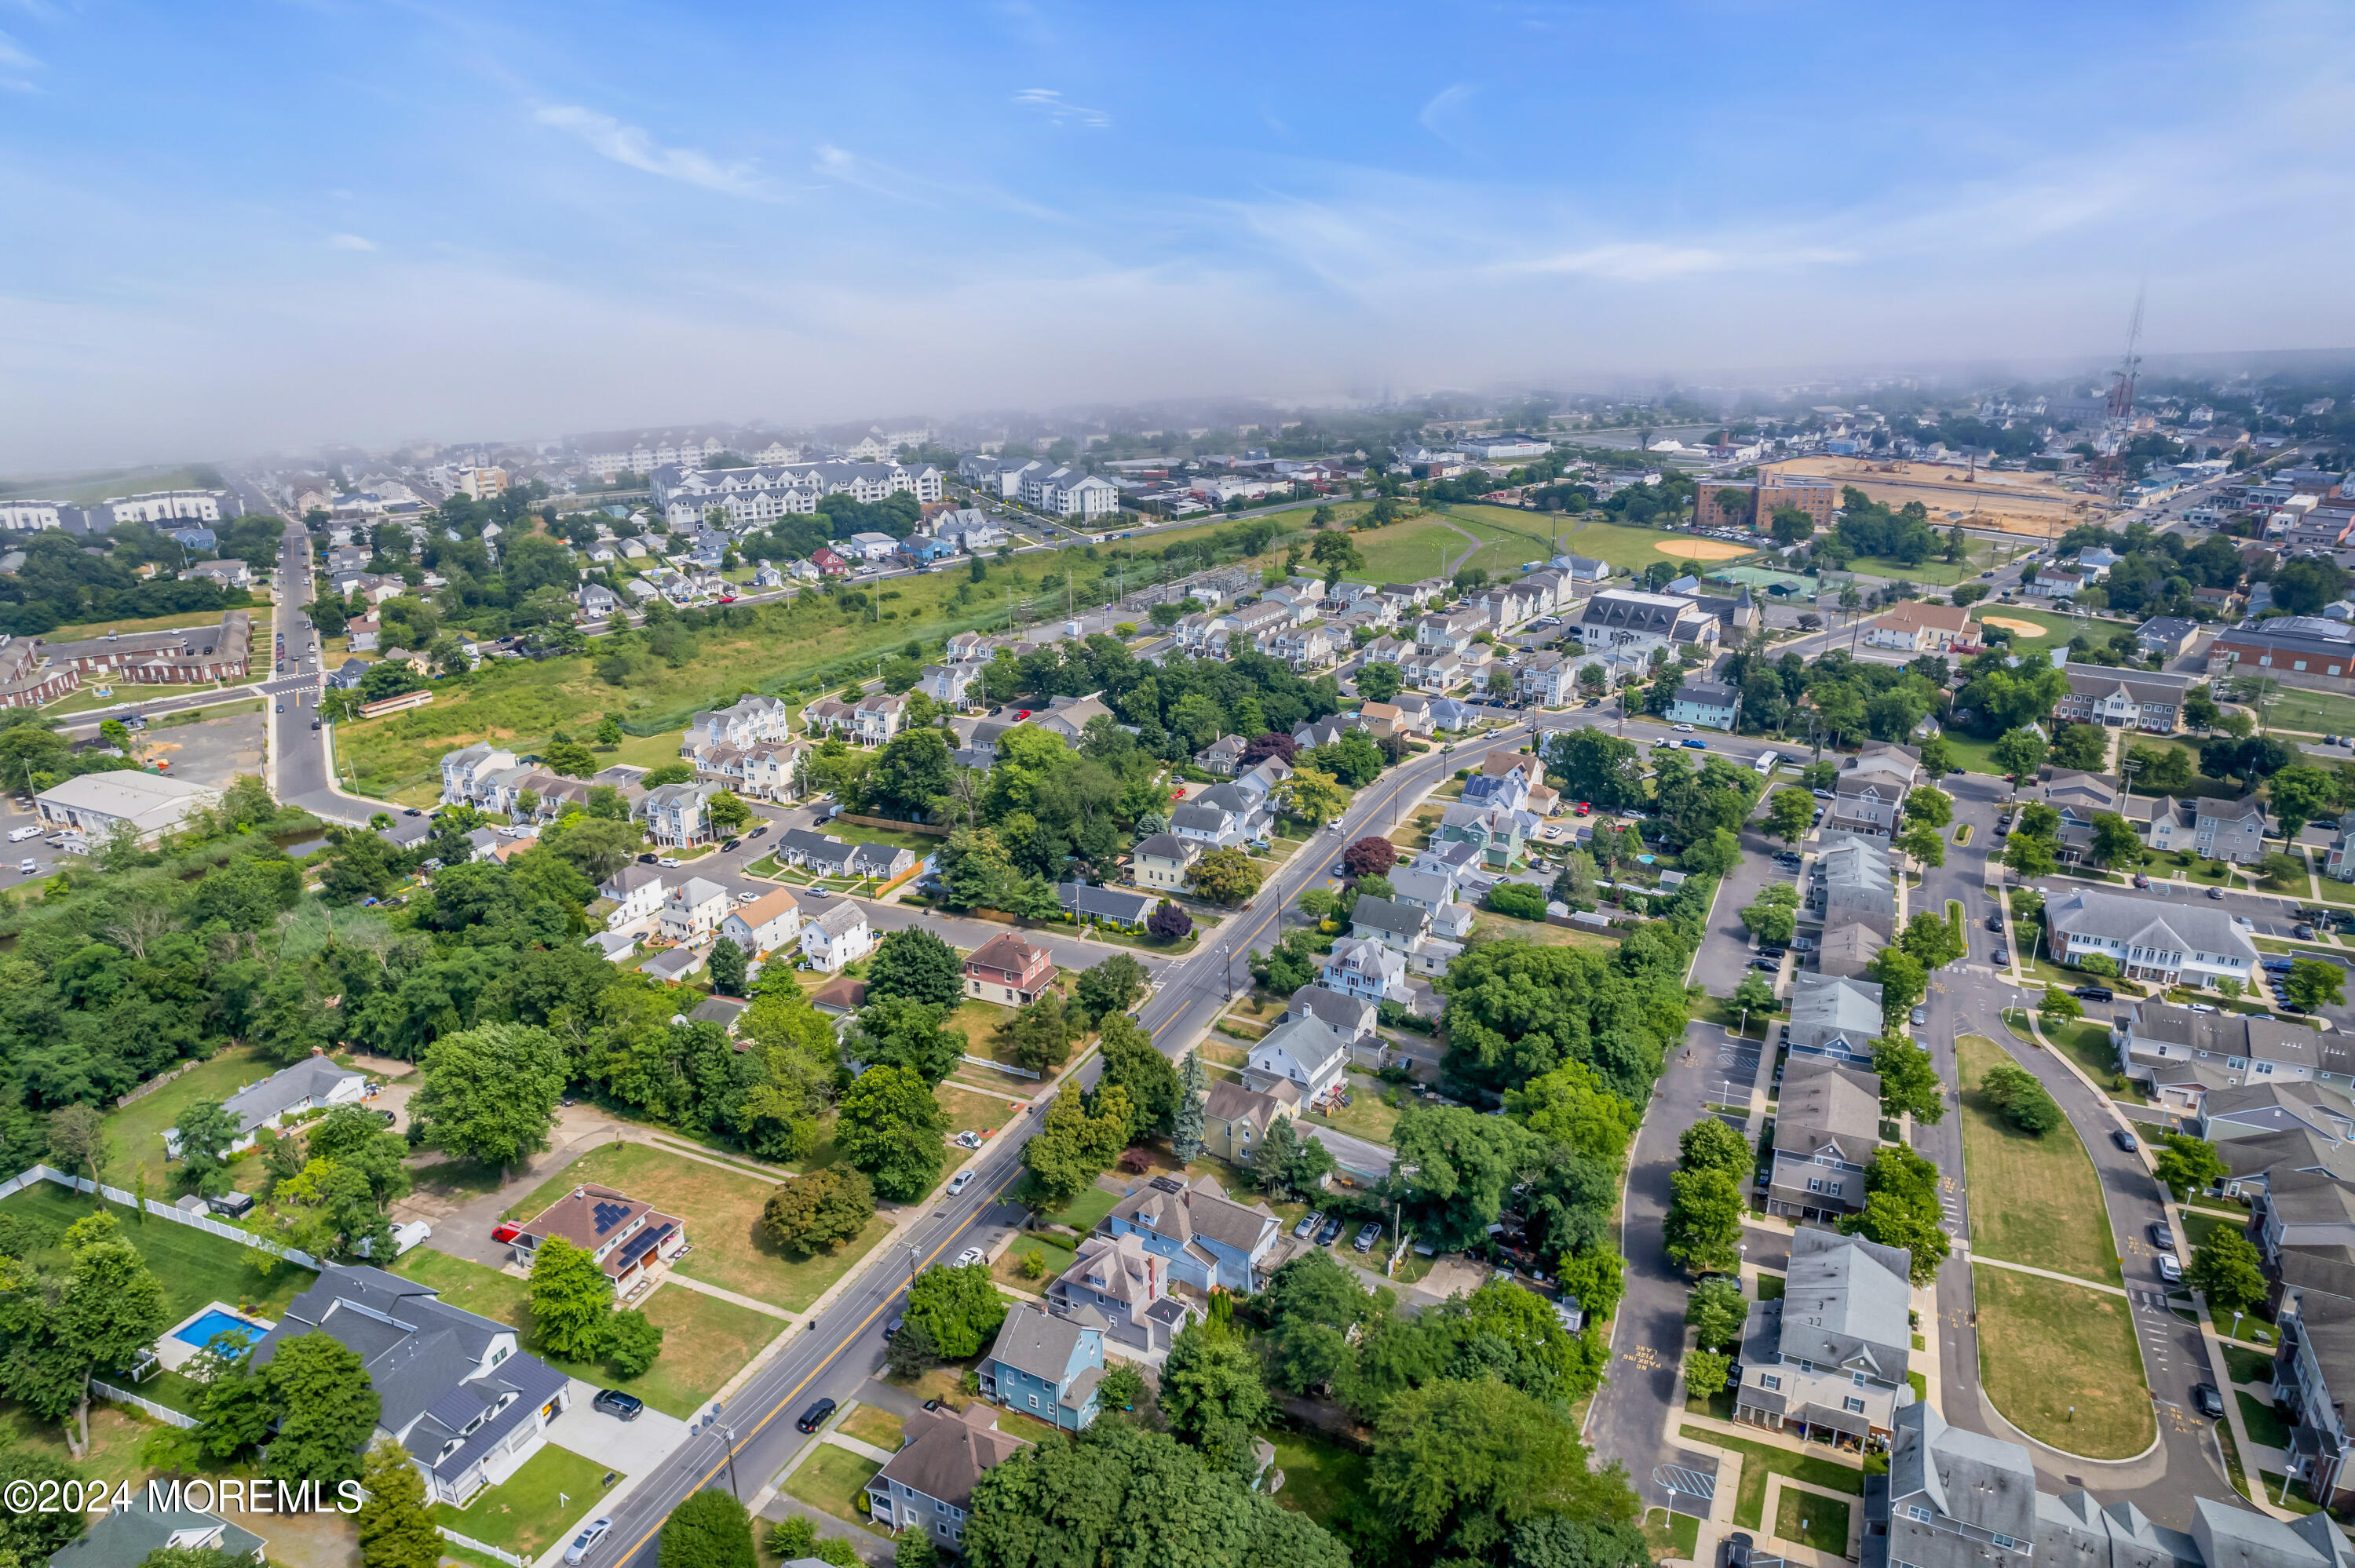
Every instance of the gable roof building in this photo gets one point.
(1826, 1131)
(2152, 941)
(1833, 1016)
(928, 1485)
(1828, 1359)
(122, 1536)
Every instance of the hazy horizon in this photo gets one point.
(259, 227)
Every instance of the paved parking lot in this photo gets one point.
(210, 752)
(633, 1448)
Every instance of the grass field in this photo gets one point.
(1759, 1460)
(873, 1424)
(722, 1208)
(835, 1479)
(2248, 1366)
(2322, 712)
(2059, 1362)
(1807, 1519)
(1008, 1269)
(2058, 629)
(1319, 1477)
(2033, 1200)
(1086, 1210)
(1671, 1535)
(135, 1133)
(87, 699)
(522, 1514)
(2088, 1044)
(193, 1266)
(2264, 1425)
(1487, 926)
(1365, 1117)
(705, 1340)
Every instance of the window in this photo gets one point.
(1769, 1382)
(1857, 1377)
(1034, 1402)
(1916, 1511)
(2006, 1541)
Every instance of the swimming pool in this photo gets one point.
(202, 1332)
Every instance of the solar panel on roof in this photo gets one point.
(608, 1215)
(1167, 1184)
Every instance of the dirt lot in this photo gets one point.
(2032, 504)
(210, 752)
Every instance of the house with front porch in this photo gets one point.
(693, 910)
(2186, 943)
(636, 893)
(927, 1485)
(840, 935)
(1045, 1366)
(1826, 1362)
(1008, 971)
(2181, 1057)
(1235, 1121)
(1209, 1239)
(1126, 1285)
(1367, 968)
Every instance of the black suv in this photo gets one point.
(1995, 922)
(613, 1402)
(2093, 994)
(815, 1416)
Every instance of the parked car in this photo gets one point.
(1823, 795)
(1771, 966)
(970, 1257)
(2162, 1237)
(2303, 932)
(815, 1416)
(1995, 920)
(2123, 1139)
(959, 1183)
(2216, 893)
(2168, 1269)
(586, 1542)
(1331, 1232)
(2095, 993)
(1308, 1222)
(1918, 1017)
(2207, 1401)
(506, 1232)
(1368, 1233)
(2140, 880)
(1684, 729)
(620, 1407)
(2001, 957)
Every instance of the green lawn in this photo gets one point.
(835, 1479)
(1807, 1520)
(873, 1424)
(1671, 1535)
(2059, 628)
(1083, 1212)
(1365, 1117)
(1008, 1268)
(1319, 1477)
(522, 1514)
(1934, 572)
(2323, 712)
(2198, 1227)
(1759, 1460)
(1976, 756)
(2087, 1045)
(2248, 1366)
(705, 1340)
(2297, 1500)
(2265, 1426)
(2060, 1362)
(2033, 1200)
(135, 1133)
(194, 1267)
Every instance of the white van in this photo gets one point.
(18, 835)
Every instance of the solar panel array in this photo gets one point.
(609, 1214)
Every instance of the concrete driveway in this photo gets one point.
(633, 1448)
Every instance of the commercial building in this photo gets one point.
(99, 805)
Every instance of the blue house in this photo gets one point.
(1046, 1366)
(925, 548)
(1209, 1238)
(1709, 703)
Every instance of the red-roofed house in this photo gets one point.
(1009, 970)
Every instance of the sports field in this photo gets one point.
(1687, 549)
(2015, 626)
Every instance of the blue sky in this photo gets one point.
(236, 227)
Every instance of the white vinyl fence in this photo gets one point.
(1000, 1066)
(205, 1222)
(471, 1544)
(163, 1413)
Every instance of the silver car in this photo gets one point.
(586, 1542)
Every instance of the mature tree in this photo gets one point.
(395, 1529)
(1597, 768)
(1702, 1229)
(2225, 1268)
(796, 1537)
(1705, 1372)
(828, 1206)
(1115, 985)
(327, 1409)
(1909, 1080)
(1139, 1069)
(1933, 941)
(1312, 1307)
(63, 1328)
(728, 963)
(710, 1529)
(1902, 1209)
(631, 1342)
(1571, 1105)
(2021, 753)
(1289, 1162)
(894, 1030)
(916, 965)
(1213, 1394)
(1776, 914)
(1370, 856)
(1169, 922)
(1119, 1493)
(1456, 1168)
(1225, 876)
(2116, 843)
(1709, 1144)
(2025, 1103)
(915, 1550)
(1924, 844)
(912, 1351)
(1310, 795)
(1934, 807)
(206, 1133)
(1458, 1465)
(960, 1307)
(2312, 983)
(2185, 1165)
(1186, 1120)
(727, 812)
(1939, 758)
(1715, 1310)
(1903, 982)
(1789, 815)
(1039, 1034)
(2057, 1006)
(570, 1299)
(891, 1128)
(489, 1093)
(1378, 682)
(79, 1141)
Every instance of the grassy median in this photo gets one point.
(2032, 1200)
(2059, 1362)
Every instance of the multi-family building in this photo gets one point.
(1236, 1121)
(1164, 860)
(2194, 944)
(693, 910)
(760, 495)
(2081, 797)
(1367, 968)
(746, 721)
(1826, 1360)
(770, 922)
(1304, 1052)
(1870, 788)
(1123, 1286)
(1045, 1366)
(2231, 831)
(1635, 623)
(636, 893)
(1711, 705)
(1070, 492)
(1826, 1131)
(1210, 1240)
(2136, 699)
(678, 815)
(1833, 1017)
(2182, 1056)
(927, 1485)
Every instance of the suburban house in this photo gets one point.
(2214, 830)
(771, 921)
(1918, 628)
(638, 894)
(840, 935)
(1833, 1016)
(2080, 796)
(631, 1240)
(2166, 637)
(1353, 1018)
(1869, 789)
(1304, 1051)
(1710, 703)
(2184, 1057)
(1368, 970)
(2135, 699)
(676, 815)
(1498, 832)
(1163, 860)
(455, 1391)
(820, 852)
(1826, 1133)
(1826, 1360)
(1117, 906)
(312, 1084)
(2191, 944)
(1209, 1238)
(1045, 1366)
(693, 910)
(122, 1536)
(1121, 1286)
(1009, 971)
(1222, 756)
(2261, 1107)
(928, 1485)
(1235, 1119)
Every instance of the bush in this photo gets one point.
(1517, 899)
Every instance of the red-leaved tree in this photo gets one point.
(1369, 857)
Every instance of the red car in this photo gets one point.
(506, 1232)
(1583, 808)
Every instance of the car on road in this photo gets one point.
(2140, 880)
(1308, 1222)
(2162, 1237)
(1918, 1017)
(1331, 1232)
(620, 1407)
(2207, 1401)
(1697, 745)
(970, 1257)
(2168, 1269)
(959, 1183)
(2093, 994)
(2123, 1139)
(731, 844)
(2000, 958)
(586, 1542)
(668, 862)
(2217, 893)
(815, 1416)
(1367, 1234)
(28, 867)
(1684, 729)
(281, 708)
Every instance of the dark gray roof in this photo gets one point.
(1034, 1341)
(1383, 915)
(123, 1537)
(312, 1078)
(1106, 903)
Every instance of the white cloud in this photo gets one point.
(1061, 110)
(631, 145)
(14, 56)
(1648, 261)
(349, 242)
(1438, 115)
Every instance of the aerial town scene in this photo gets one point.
(1506, 788)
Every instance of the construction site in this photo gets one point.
(2040, 505)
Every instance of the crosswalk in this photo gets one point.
(2157, 1326)
(1950, 1203)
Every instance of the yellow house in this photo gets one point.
(1235, 1119)
(1163, 860)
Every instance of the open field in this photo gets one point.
(135, 1132)
(98, 484)
(1684, 548)
(2016, 503)
(2321, 713)
(2058, 629)
(87, 699)
(2059, 1362)
(2016, 624)
(1488, 926)
(722, 1210)
(194, 1267)
(1934, 572)
(2033, 1200)
(1672, 1537)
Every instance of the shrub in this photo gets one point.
(1517, 899)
